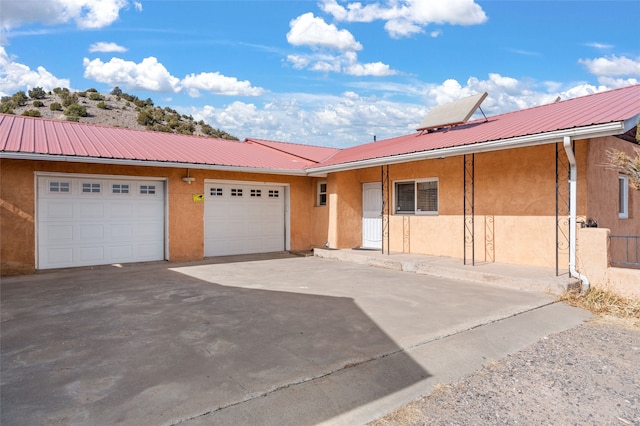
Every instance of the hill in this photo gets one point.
(117, 109)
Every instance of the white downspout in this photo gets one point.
(573, 205)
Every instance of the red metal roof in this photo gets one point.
(35, 136)
(28, 135)
(600, 108)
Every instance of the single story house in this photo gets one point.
(510, 188)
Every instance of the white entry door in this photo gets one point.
(372, 215)
(243, 218)
(85, 220)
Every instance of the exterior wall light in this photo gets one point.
(188, 178)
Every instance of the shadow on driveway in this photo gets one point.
(144, 344)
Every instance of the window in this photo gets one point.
(147, 189)
(93, 188)
(59, 187)
(215, 192)
(322, 193)
(623, 197)
(120, 188)
(274, 193)
(417, 197)
(236, 192)
(256, 192)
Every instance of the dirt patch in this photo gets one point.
(585, 375)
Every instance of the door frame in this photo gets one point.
(375, 214)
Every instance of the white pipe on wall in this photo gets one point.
(573, 217)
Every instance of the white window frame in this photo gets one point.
(416, 211)
(623, 197)
(321, 199)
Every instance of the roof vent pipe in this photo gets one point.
(573, 204)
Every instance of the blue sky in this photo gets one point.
(325, 72)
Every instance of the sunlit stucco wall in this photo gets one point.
(185, 216)
(514, 199)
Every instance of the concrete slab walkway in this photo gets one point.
(514, 276)
(289, 340)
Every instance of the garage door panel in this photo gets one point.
(82, 229)
(241, 218)
(91, 232)
(59, 257)
(120, 253)
(121, 210)
(58, 233)
(59, 210)
(91, 210)
(122, 231)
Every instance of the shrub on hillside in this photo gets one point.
(19, 99)
(76, 110)
(96, 97)
(69, 99)
(102, 105)
(38, 104)
(145, 118)
(6, 108)
(31, 113)
(55, 106)
(37, 93)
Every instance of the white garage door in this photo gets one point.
(91, 221)
(243, 218)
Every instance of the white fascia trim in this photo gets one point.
(598, 130)
(98, 160)
(630, 123)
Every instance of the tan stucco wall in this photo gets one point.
(185, 217)
(515, 206)
(603, 189)
(593, 262)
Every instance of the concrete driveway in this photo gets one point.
(288, 340)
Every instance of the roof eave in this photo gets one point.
(125, 162)
(598, 130)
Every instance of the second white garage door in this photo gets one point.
(243, 218)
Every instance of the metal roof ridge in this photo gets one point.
(260, 142)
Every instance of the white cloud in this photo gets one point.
(407, 17)
(377, 69)
(15, 76)
(219, 84)
(341, 120)
(147, 75)
(352, 118)
(613, 65)
(103, 46)
(86, 13)
(138, 6)
(308, 30)
(346, 63)
(601, 46)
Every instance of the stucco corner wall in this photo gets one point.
(593, 262)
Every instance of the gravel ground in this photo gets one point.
(589, 375)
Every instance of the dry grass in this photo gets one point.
(604, 303)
